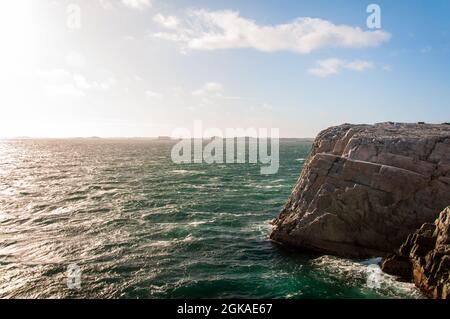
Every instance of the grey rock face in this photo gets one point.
(364, 188)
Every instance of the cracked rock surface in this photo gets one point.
(424, 258)
(364, 188)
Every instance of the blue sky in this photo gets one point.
(144, 68)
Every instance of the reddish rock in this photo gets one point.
(397, 265)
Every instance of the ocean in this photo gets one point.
(135, 225)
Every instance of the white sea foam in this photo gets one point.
(263, 228)
(181, 171)
(269, 186)
(172, 242)
(197, 223)
(368, 273)
(187, 172)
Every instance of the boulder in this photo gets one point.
(364, 188)
(424, 258)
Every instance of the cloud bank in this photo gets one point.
(213, 30)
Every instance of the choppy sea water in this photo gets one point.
(139, 226)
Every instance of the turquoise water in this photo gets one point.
(140, 226)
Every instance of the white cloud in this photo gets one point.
(152, 94)
(211, 30)
(334, 66)
(358, 65)
(261, 107)
(137, 4)
(210, 88)
(106, 83)
(106, 4)
(211, 92)
(62, 83)
(326, 67)
(81, 82)
(169, 22)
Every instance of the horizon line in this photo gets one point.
(162, 137)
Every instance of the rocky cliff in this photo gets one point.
(425, 258)
(364, 188)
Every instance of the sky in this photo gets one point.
(128, 68)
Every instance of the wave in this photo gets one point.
(171, 242)
(367, 273)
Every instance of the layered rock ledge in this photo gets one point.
(364, 188)
(425, 258)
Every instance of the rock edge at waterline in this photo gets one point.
(424, 258)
